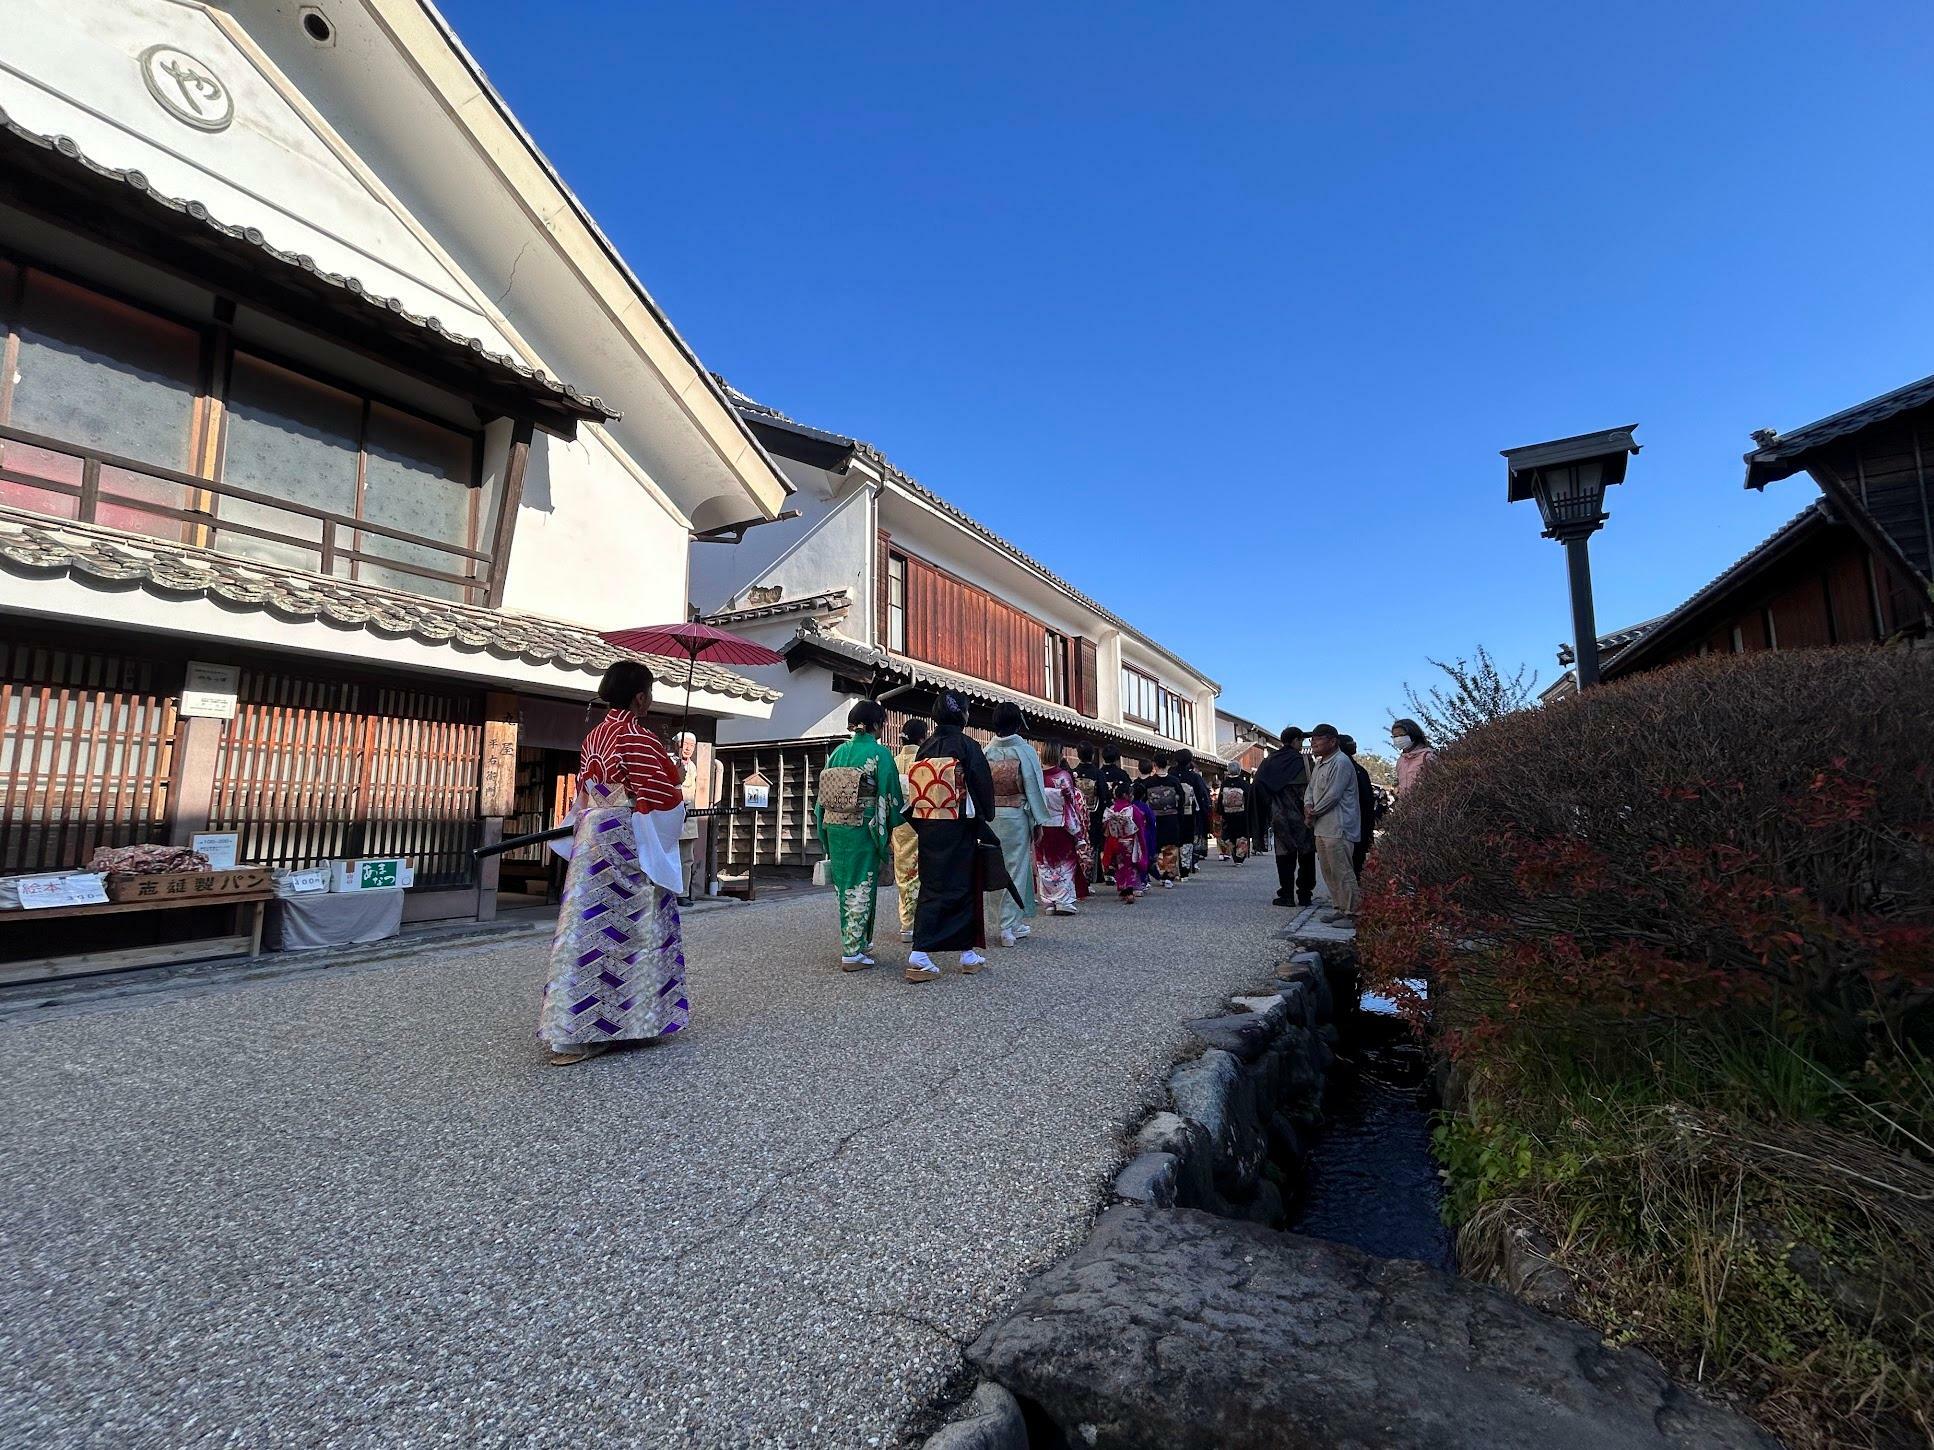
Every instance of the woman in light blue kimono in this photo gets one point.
(1020, 810)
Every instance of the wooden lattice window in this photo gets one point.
(86, 745)
(312, 769)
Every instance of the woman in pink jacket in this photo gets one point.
(1413, 752)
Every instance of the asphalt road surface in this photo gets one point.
(356, 1208)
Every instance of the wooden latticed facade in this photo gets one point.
(86, 747)
(782, 834)
(311, 769)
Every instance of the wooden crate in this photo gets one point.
(173, 885)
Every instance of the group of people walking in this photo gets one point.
(955, 823)
(958, 823)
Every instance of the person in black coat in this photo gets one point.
(1184, 770)
(1281, 781)
(1366, 805)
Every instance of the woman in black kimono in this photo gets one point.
(1234, 797)
(951, 804)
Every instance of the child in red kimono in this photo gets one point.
(1121, 851)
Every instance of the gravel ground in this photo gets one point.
(359, 1209)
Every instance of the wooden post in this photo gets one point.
(191, 779)
(514, 465)
(497, 792)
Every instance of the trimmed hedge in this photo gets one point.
(1746, 834)
(1679, 934)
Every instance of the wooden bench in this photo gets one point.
(245, 940)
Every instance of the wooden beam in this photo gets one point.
(191, 780)
(514, 465)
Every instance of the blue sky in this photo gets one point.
(1224, 311)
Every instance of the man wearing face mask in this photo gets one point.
(1331, 811)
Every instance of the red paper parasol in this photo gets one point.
(696, 642)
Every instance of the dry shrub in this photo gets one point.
(1748, 835)
(1679, 935)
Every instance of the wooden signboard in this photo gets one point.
(499, 785)
(173, 885)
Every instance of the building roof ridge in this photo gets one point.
(877, 457)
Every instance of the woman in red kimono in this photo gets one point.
(618, 957)
(1059, 876)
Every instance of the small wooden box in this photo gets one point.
(173, 885)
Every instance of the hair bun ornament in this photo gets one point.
(953, 702)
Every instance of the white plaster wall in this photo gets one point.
(71, 67)
(808, 709)
(829, 546)
(591, 545)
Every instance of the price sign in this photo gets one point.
(218, 846)
(74, 888)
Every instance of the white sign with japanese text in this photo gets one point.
(208, 691)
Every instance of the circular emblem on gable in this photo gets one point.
(186, 88)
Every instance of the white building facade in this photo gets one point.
(286, 296)
(879, 588)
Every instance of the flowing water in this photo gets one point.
(1371, 1181)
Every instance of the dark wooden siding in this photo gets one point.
(1087, 673)
(1822, 596)
(953, 624)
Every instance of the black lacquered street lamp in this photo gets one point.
(1568, 477)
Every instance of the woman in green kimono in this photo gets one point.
(860, 802)
(1020, 810)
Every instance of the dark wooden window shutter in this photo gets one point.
(1087, 690)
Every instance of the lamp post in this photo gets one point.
(1568, 477)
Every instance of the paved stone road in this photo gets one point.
(357, 1208)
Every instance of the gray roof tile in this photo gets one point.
(33, 545)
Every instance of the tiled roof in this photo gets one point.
(825, 602)
(1779, 454)
(921, 673)
(752, 408)
(349, 289)
(1631, 634)
(33, 545)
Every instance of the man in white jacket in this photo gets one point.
(1330, 806)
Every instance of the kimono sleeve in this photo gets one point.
(893, 794)
(1031, 783)
(650, 775)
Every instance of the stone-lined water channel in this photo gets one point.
(1369, 1179)
(1191, 1321)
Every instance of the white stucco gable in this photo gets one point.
(180, 94)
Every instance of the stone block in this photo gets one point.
(990, 1420)
(1244, 1035)
(1149, 1178)
(1173, 1330)
(1200, 1091)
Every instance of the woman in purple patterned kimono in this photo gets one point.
(618, 957)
